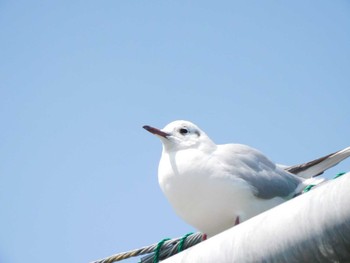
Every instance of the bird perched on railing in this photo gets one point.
(214, 187)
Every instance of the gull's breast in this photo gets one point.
(202, 196)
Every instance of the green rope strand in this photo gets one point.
(159, 246)
(339, 174)
(310, 186)
(182, 242)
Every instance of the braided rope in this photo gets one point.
(310, 186)
(158, 251)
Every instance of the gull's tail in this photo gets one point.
(318, 166)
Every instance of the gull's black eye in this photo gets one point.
(183, 131)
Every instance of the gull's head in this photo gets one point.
(181, 135)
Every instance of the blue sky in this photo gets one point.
(78, 80)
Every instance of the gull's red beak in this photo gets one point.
(156, 131)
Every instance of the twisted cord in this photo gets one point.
(310, 186)
(158, 251)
